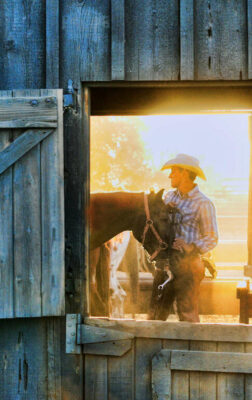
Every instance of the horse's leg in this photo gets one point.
(102, 277)
(97, 305)
(146, 264)
(117, 253)
(132, 266)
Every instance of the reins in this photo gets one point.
(149, 224)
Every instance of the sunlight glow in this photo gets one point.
(128, 152)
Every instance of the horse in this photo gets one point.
(149, 220)
(112, 213)
(152, 223)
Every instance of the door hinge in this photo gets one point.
(88, 339)
(70, 96)
(72, 323)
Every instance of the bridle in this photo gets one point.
(149, 224)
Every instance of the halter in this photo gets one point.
(149, 224)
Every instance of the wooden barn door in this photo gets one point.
(155, 360)
(31, 204)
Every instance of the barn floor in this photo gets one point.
(225, 319)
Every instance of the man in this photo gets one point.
(195, 235)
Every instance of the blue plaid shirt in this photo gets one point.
(198, 224)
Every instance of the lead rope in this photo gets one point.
(149, 225)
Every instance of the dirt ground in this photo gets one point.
(225, 319)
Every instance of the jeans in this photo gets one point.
(188, 272)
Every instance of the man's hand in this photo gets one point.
(180, 245)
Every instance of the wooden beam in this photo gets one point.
(86, 161)
(21, 112)
(250, 195)
(186, 40)
(117, 40)
(249, 19)
(117, 348)
(52, 43)
(21, 146)
(91, 334)
(211, 361)
(178, 330)
(203, 361)
(170, 100)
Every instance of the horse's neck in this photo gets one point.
(112, 213)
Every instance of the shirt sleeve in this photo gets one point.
(208, 228)
(167, 196)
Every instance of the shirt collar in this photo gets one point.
(190, 194)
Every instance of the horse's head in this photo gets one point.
(156, 230)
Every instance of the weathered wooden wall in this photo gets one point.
(31, 204)
(33, 362)
(43, 44)
(132, 374)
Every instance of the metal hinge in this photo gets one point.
(70, 96)
(72, 323)
(88, 339)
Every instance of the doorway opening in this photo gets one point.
(126, 154)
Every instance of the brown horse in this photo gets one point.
(112, 213)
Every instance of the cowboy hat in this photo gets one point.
(186, 162)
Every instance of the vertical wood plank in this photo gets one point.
(53, 359)
(152, 40)
(180, 379)
(121, 376)
(27, 230)
(23, 361)
(86, 188)
(166, 40)
(230, 386)
(161, 376)
(22, 44)
(221, 40)
(96, 377)
(249, 19)
(72, 370)
(6, 238)
(203, 384)
(144, 351)
(248, 377)
(52, 43)
(85, 41)
(117, 39)
(52, 217)
(187, 39)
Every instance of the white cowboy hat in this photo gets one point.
(187, 162)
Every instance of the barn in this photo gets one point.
(61, 62)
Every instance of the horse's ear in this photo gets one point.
(159, 195)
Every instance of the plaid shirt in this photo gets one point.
(198, 224)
